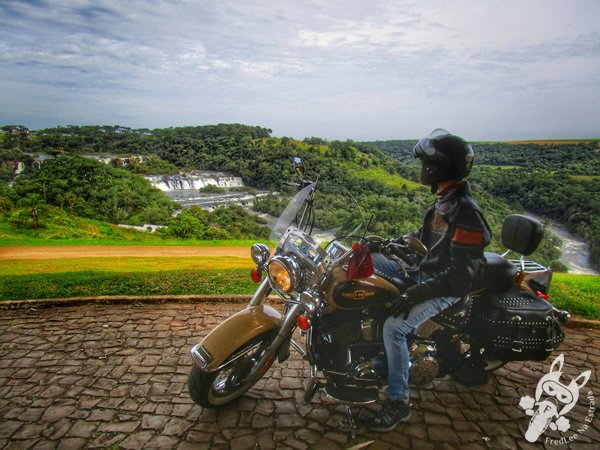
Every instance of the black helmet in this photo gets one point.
(443, 157)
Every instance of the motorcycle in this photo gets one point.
(340, 294)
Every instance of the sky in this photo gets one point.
(336, 69)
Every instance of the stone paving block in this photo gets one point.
(176, 427)
(106, 440)
(104, 415)
(55, 413)
(66, 378)
(136, 440)
(71, 444)
(119, 427)
(162, 442)
(22, 445)
(82, 429)
(58, 429)
(28, 431)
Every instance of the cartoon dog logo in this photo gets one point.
(553, 400)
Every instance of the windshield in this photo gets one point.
(288, 216)
(336, 216)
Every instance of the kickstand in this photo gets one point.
(349, 424)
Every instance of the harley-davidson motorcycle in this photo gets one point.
(339, 295)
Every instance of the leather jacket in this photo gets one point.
(455, 233)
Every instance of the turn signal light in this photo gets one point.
(256, 275)
(303, 322)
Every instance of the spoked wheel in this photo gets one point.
(233, 377)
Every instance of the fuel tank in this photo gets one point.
(358, 294)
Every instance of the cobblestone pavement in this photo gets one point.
(115, 377)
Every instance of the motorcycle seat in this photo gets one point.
(498, 274)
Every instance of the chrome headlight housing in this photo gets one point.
(260, 254)
(284, 273)
(310, 301)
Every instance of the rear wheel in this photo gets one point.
(234, 377)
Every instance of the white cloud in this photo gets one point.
(336, 68)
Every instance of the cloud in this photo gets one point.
(295, 66)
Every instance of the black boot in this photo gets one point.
(472, 373)
(392, 413)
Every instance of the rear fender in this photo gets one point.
(234, 332)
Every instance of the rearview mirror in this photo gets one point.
(298, 166)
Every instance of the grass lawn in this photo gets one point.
(36, 242)
(578, 294)
(121, 265)
(29, 279)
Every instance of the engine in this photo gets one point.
(349, 348)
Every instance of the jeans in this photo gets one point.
(395, 331)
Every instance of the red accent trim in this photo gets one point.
(466, 237)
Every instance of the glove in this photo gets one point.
(413, 296)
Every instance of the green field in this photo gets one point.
(490, 166)
(83, 277)
(578, 294)
(394, 181)
(26, 267)
(34, 242)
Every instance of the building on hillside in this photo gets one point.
(17, 129)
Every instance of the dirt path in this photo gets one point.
(95, 251)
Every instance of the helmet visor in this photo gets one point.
(425, 148)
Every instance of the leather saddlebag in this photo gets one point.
(515, 326)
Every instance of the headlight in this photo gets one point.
(260, 254)
(284, 273)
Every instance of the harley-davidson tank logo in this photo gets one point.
(358, 295)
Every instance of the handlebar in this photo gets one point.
(298, 186)
(395, 249)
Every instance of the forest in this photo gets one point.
(356, 179)
(559, 181)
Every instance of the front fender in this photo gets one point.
(234, 332)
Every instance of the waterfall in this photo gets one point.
(194, 181)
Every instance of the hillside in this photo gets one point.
(555, 179)
(355, 179)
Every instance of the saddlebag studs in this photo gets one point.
(515, 326)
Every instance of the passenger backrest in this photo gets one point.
(521, 234)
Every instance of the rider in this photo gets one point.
(455, 232)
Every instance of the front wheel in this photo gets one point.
(234, 377)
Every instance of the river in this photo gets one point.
(575, 252)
